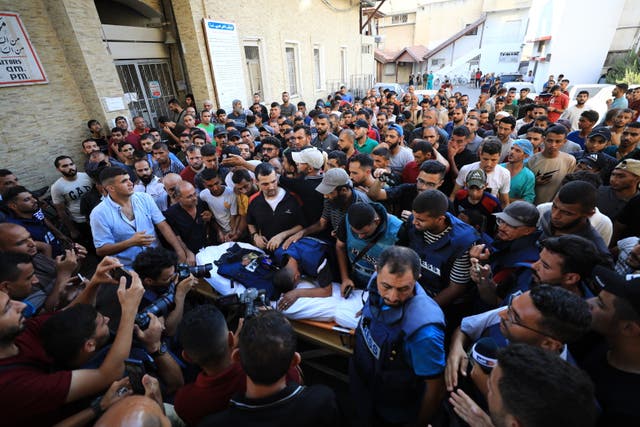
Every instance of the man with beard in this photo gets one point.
(396, 369)
(504, 266)
(66, 193)
(189, 219)
(125, 222)
(629, 139)
(148, 183)
(195, 165)
(566, 261)
(615, 368)
(274, 214)
(339, 195)
(623, 185)
(546, 316)
(325, 140)
(346, 143)
(399, 155)
(164, 165)
(523, 181)
(570, 212)
(238, 114)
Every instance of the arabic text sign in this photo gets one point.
(226, 61)
(19, 62)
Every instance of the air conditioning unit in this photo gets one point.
(378, 39)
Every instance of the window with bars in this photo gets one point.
(400, 19)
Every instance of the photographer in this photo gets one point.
(33, 394)
(157, 270)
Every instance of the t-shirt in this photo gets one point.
(608, 203)
(293, 406)
(523, 185)
(368, 146)
(398, 161)
(560, 102)
(33, 395)
(70, 192)
(498, 180)
(573, 115)
(269, 221)
(223, 207)
(192, 231)
(208, 129)
(560, 166)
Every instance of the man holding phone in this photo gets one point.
(33, 393)
(551, 165)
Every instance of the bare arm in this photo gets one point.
(87, 382)
(456, 188)
(434, 392)
(171, 238)
(61, 210)
(449, 294)
(457, 359)
(504, 199)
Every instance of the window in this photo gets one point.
(473, 32)
(317, 68)
(437, 61)
(343, 64)
(292, 68)
(400, 19)
(390, 69)
(509, 56)
(366, 49)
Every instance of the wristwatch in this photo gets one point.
(162, 350)
(95, 406)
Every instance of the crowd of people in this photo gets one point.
(496, 248)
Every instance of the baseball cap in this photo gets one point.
(630, 165)
(601, 131)
(397, 128)
(501, 99)
(234, 134)
(267, 128)
(520, 214)
(476, 178)
(593, 161)
(333, 178)
(525, 146)
(625, 287)
(361, 123)
(311, 156)
(220, 131)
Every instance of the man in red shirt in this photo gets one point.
(208, 343)
(195, 165)
(35, 395)
(557, 104)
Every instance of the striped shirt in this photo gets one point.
(461, 269)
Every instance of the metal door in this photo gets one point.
(148, 86)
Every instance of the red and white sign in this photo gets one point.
(19, 62)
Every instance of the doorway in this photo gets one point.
(148, 87)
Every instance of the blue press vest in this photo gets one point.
(437, 258)
(366, 265)
(379, 364)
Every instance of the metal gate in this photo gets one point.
(148, 86)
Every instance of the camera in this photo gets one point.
(388, 178)
(249, 301)
(159, 307)
(198, 271)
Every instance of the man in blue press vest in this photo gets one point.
(442, 242)
(366, 231)
(396, 372)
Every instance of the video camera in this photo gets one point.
(249, 301)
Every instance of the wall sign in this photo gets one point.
(226, 62)
(19, 62)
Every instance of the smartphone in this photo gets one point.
(134, 369)
(347, 291)
(549, 173)
(119, 272)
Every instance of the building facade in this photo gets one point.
(107, 58)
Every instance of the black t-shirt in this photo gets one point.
(193, 232)
(287, 214)
(616, 391)
(293, 406)
(305, 188)
(628, 216)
